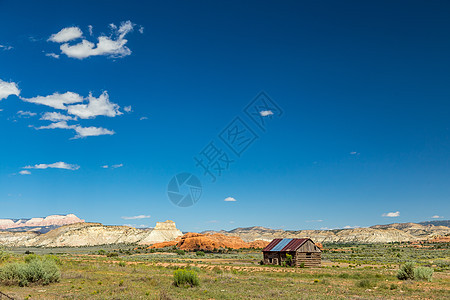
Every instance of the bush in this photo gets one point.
(200, 253)
(302, 265)
(423, 273)
(182, 277)
(4, 256)
(365, 283)
(112, 254)
(35, 271)
(406, 271)
(288, 260)
(180, 252)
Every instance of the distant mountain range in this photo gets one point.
(41, 225)
(69, 230)
(396, 232)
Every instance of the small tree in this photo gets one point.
(288, 260)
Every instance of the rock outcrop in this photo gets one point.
(207, 242)
(163, 231)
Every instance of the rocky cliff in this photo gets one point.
(91, 234)
(404, 232)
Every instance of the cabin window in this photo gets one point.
(308, 255)
(270, 260)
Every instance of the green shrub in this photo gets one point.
(112, 254)
(200, 253)
(35, 270)
(180, 252)
(4, 256)
(302, 265)
(423, 273)
(365, 283)
(406, 271)
(182, 277)
(122, 264)
(288, 260)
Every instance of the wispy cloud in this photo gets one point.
(24, 172)
(128, 109)
(6, 47)
(54, 55)
(26, 114)
(391, 214)
(266, 113)
(137, 217)
(113, 45)
(143, 118)
(113, 166)
(56, 117)
(229, 199)
(57, 165)
(7, 89)
(437, 217)
(313, 221)
(81, 132)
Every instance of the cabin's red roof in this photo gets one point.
(285, 245)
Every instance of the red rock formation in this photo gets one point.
(207, 242)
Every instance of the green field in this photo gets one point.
(124, 272)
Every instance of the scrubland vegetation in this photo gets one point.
(131, 272)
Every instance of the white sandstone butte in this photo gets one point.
(163, 232)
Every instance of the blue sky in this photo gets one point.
(364, 89)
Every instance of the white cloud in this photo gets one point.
(229, 199)
(112, 46)
(55, 117)
(137, 217)
(141, 29)
(26, 114)
(54, 55)
(128, 109)
(6, 48)
(90, 28)
(311, 221)
(266, 113)
(57, 125)
(113, 166)
(66, 34)
(391, 214)
(354, 153)
(57, 165)
(350, 227)
(7, 89)
(83, 132)
(56, 100)
(437, 217)
(143, 118)
(24, 172)
(95, 107)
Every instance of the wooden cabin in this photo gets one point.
(303, 251)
